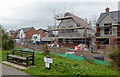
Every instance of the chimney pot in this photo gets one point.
(107, 10)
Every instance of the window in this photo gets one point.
(71, 30)
(107, 31)
(21, 35)
(107, 24)
(70, 26)
(63, 27)
(105, 41)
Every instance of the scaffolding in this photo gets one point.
(82, 37)
(85, 37)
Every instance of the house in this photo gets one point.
(11, 33)
(108, 29)
(43, 33)
(25, 33)
(72, 31)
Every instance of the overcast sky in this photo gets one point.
(16, 14)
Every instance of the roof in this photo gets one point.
(44, 30)
(114, 14)
(79, 21)
(24, 29)
(12, 32)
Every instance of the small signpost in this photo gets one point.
(48, 62)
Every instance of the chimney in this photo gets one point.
(107, 10)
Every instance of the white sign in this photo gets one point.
(47, 65)
(48, 61)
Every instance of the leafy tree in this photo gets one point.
(7, 42)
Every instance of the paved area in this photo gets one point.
(7, 70)
(15, 65)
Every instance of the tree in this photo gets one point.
(7, 42)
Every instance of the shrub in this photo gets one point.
(115, 56)
(7, 44)
(10, 44)
(45, 50)
(109, 49)
(19, 47)
(4, 44)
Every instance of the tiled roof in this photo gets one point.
(24, 29)
(44, 30)
(79, 21)
(114, 14)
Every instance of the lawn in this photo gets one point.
(65, 66)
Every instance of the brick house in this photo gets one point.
(25, 33)
(43, 33)
(72, 31)
(108, 29)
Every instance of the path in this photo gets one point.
(7, 70)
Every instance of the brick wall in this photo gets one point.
(31, 32)
(98, 31)
(113, 41)
(70, 45)
(42, 33)
(15, 35)
(118, 30)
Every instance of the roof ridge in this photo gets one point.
(110, 12)
(26, 27)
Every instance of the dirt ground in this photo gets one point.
(64, 50)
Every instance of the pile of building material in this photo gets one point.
(81, 47)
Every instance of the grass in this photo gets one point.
(65, 66)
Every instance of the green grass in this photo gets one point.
(65, 66)
(4, 54)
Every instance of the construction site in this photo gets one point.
(73, 35)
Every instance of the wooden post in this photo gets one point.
(27, 62)
(33, 59)
(7, 57)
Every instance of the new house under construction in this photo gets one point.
(108, 29)
(72, 31)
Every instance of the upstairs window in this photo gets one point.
(107, 29)
(107, 24)
(63, 27)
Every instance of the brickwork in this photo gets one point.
(30, 33)
(113, 41)
(42, 33)
(118, 29)
(75, 42)
(98, 31)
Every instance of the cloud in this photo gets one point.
(40, 14)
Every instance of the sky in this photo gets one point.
(15, 14)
